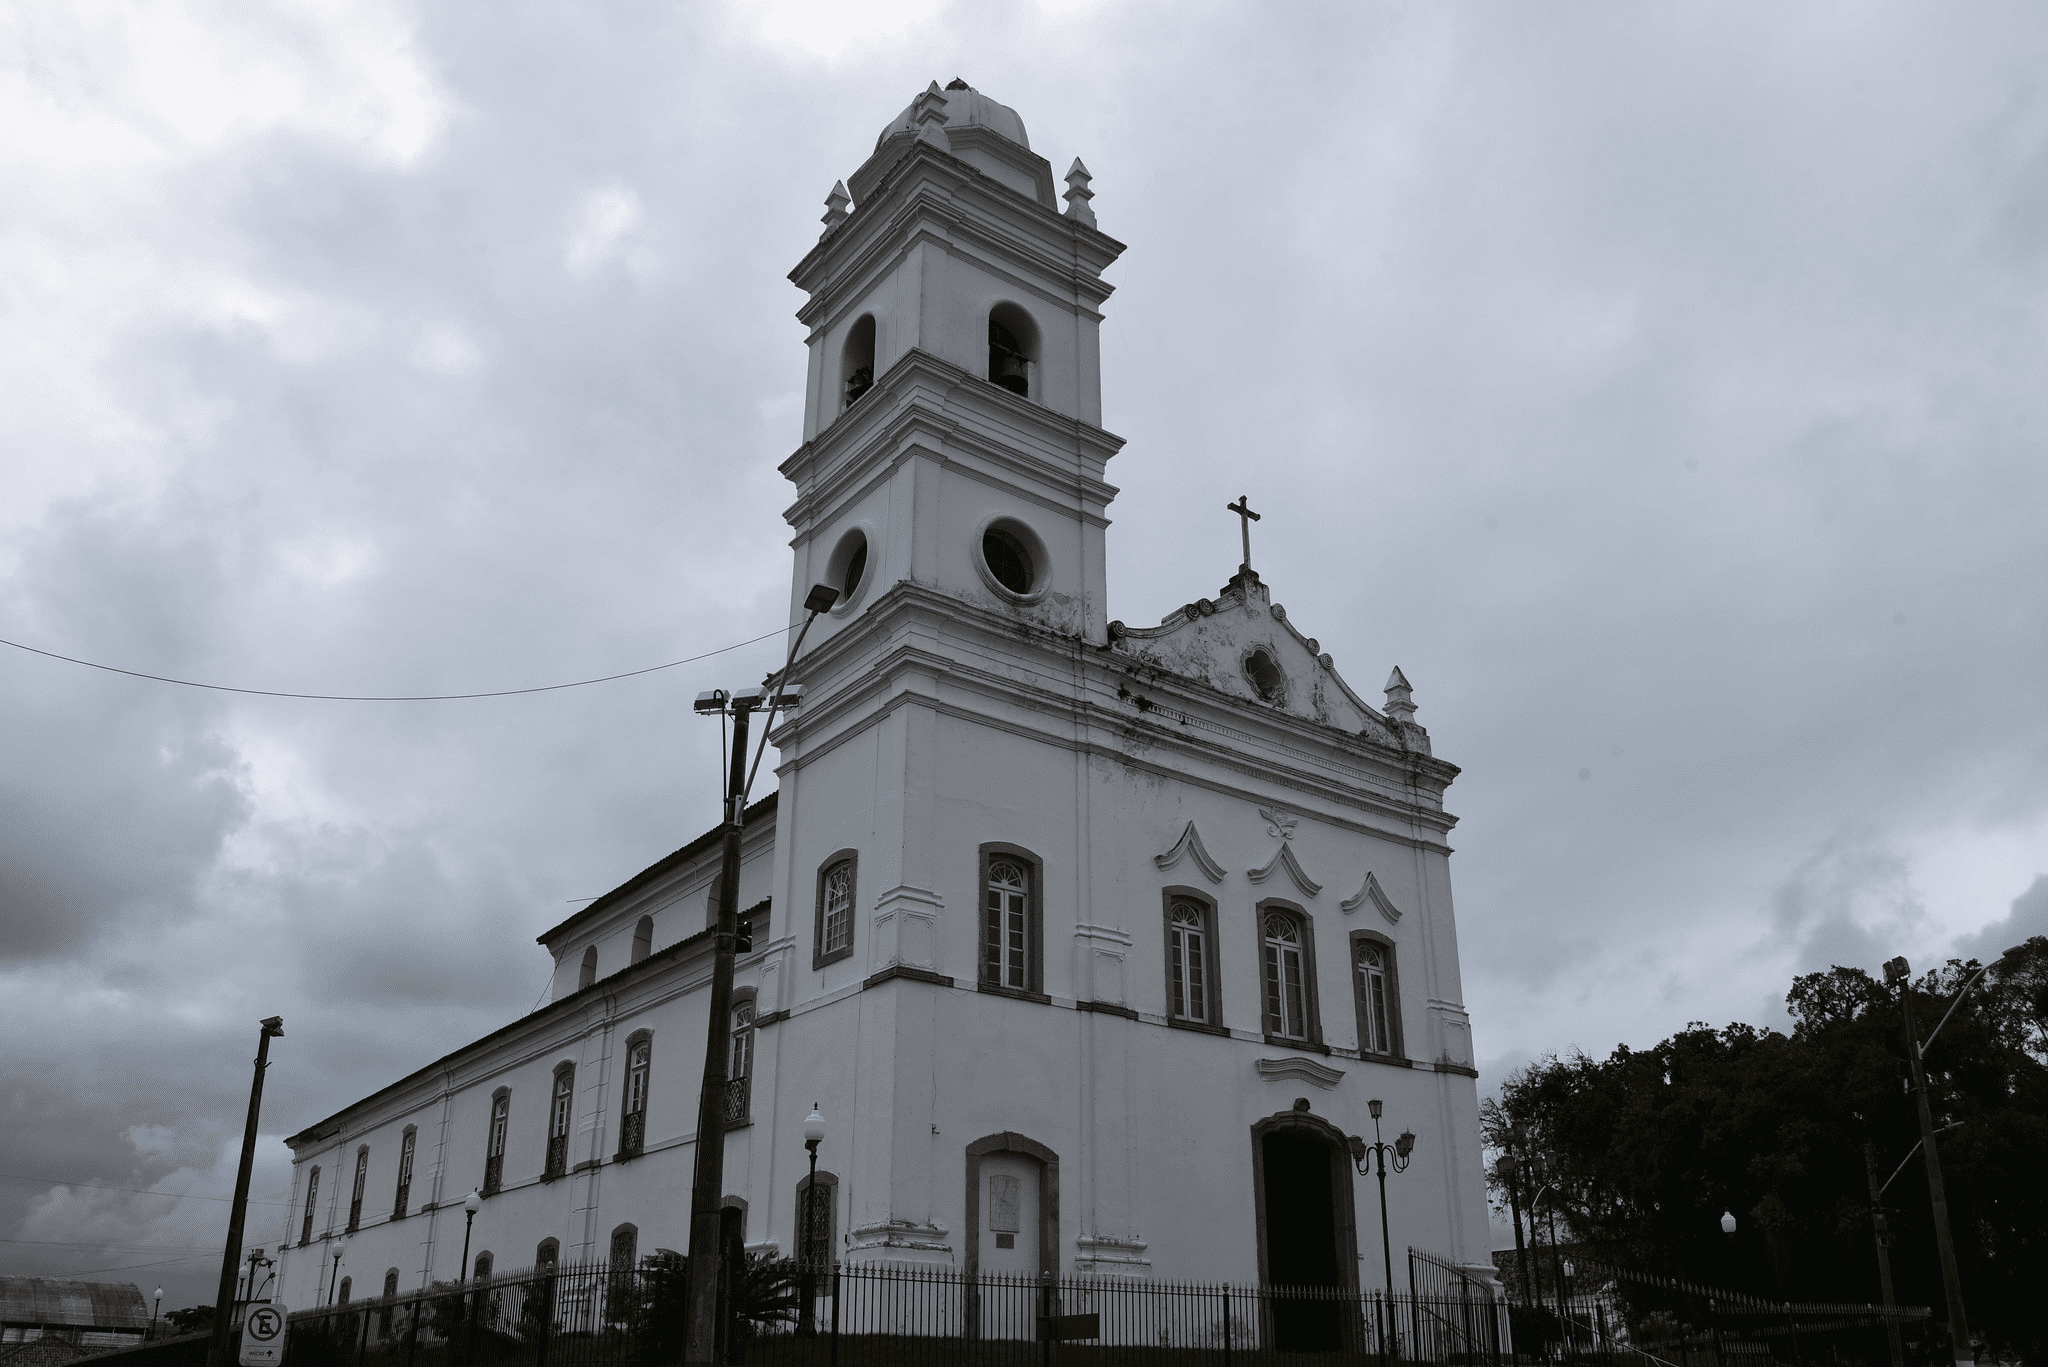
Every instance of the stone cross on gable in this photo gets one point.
(1245, 518)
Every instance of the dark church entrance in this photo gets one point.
(1302, 1227)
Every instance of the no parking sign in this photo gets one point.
(263, 1336)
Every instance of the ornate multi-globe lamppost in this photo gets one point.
(814, 1135)
(1400, 1150)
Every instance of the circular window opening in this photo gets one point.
(1265, 675)
(848, 565)
(1007, 560)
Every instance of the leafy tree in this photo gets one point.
(1636, 1156)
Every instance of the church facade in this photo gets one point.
(1091, 942)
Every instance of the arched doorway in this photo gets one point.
(1308, 1232)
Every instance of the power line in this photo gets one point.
(129, 1267)
(107, 1244)
(140, 1191)
(358, 697)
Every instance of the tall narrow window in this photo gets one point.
(390, 1293)
(857, 362)
(643, 938)
(547, 1254)
(404, 1196)
(633, 1117)
(494, 1151)
(348, 1284)
(312, 1196)
(1379, 1000)
(587, 974)
(739, 1086)
(1188, 960)
(834, 931)
(621, 1299)
(484, 1263)
(1012, 348)
(1006, 925)
(1286, 985)
(561, 1109)
(355, 1195)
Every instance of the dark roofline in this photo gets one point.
(667, 864)
(660, 956)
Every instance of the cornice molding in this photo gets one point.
(1190, 846)
(1370, 891)
(1284, 859)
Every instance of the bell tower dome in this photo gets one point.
(953, 408)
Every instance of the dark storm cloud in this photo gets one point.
(1658, 388)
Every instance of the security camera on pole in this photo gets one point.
(708, 1181)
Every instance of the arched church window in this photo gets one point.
(833, 933)
(561, 1109)
(857, 362)
(1189, 972)
(484, 1263)
(494, 1145)
(312, 1197)
(547, 1254)
(633, 1106)
(390, 1292)
(1289, 984)
(355, 1195)
(620, 1298)
(403, 1197)
(347, 1286)
(643, 938)
(1012, 349)
(588, 973)
(1379, 1001)
(1011, 921)
(739, 1083)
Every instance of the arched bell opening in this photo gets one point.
(1012, 350)
(857, 362)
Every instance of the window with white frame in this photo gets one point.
(633, 1114)
(561, 1109)
(1006, 928)
(833, 933)
(739, 1077)
(404, 1194)
(1286, 978)
(1379, 1004)
(494, 1148)
(312, 1197)
(1187, 954)
(355, 1195)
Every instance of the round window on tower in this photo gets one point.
(1265, 675)
(1012, 560)
(847, 569)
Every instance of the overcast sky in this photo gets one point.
(1659, 386)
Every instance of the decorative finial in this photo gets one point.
(835, 208)
(1078, 194)
(1400, 701)
(929, 110)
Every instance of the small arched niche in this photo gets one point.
(1013, 350)
(857, 362)
(587, 973)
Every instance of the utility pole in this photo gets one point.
(1881, 1231)
(700, 1347)
(1897, 972)
(231, 1256)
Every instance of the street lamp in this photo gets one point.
(332, 1276)
(471, 1204)
(707, 1181)
(814, 1135)
(152, 1313)
(1728, 1223)
(1400, 1149)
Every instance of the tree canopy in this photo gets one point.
(1638, 1155)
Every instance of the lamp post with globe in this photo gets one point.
(814, 1135)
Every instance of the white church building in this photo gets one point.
(1090, 941)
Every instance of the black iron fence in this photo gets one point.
(787, 1315)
